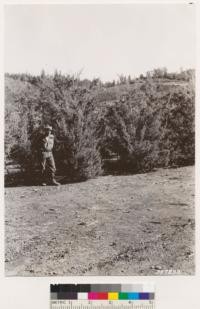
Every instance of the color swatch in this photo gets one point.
(109, 292)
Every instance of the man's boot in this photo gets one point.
(54, 182)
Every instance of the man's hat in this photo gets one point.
(48, 127)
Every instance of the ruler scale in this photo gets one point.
(101, 296)
(96, 305)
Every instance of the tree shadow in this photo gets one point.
(124, 168)
(28, 180)
(64, 176)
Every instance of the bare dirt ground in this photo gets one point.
(113, 225)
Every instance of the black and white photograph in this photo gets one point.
(99, 139)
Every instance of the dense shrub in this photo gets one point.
(130, 128)
(76, 125)
(177, 135)
(143, 124)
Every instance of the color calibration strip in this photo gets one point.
(64, 296)
(103, 296)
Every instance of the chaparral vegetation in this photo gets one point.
(129, 125)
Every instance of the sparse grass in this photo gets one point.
(113, 225)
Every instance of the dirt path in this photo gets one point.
(114, 225)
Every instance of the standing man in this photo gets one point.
(47, 163)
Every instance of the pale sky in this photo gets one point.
(103, 40)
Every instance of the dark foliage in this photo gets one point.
(131, 125)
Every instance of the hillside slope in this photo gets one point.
(114, 225)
